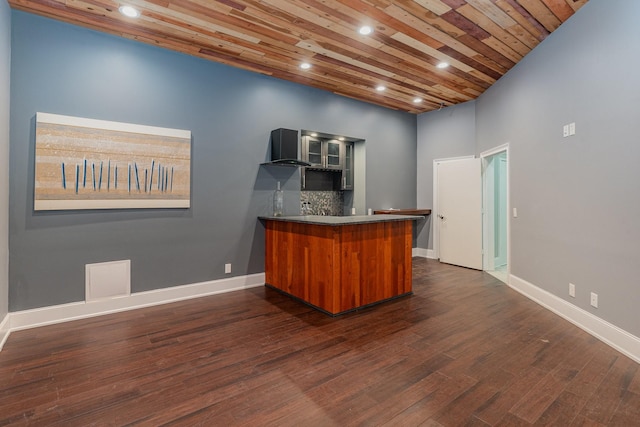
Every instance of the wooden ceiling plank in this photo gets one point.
(493, 12)
(294, 9)
(486, 53)
(435, 6)
(576, 4)
(419, 71)
(424, 20)
(255, 31)
(471, 63)
(524, 18)
(504, 20)
(468, 28)
(541, 13)
(364, 82)
(560, 9)
(523, 35)
(316, 48)
(502, 48)
(163, 3)
(494, 29)
(416, 69)
(388, 24)
(435, 53)
(180, 10)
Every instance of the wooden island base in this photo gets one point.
(338, 268)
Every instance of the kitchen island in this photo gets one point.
(339, 263)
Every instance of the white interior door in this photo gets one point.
(460, 212)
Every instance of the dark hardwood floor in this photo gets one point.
(463, 350)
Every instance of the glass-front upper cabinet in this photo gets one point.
(323, 153)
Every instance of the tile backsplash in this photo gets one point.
(323, 202)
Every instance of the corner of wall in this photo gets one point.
(424, 253)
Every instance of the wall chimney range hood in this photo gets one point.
(284, 148)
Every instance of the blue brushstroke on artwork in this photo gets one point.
(163, 179)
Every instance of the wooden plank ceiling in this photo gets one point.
(479, 39)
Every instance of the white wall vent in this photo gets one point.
(107, 280)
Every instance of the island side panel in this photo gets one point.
(401, 265)
(376, 263)
(299, 260)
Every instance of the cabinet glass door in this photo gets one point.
(347, 177)
(333, 154)
(314, 152)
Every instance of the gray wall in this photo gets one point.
(449, 132)
(578, 198)
(5, 68)
(63, 69)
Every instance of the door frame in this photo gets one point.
(485, 200)
(434, 210)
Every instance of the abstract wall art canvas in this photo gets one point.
(96, 164)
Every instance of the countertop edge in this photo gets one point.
(341, 220)
(422, 212)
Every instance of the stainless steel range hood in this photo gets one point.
(284, 148)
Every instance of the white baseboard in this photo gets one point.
(80, 310)
(612, 335)
(4, 329)
(423, 253)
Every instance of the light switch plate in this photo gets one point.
(515, 213)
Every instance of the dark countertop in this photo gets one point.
(402, 212)
(341, 220)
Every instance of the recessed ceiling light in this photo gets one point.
(442, 65)
(129, 11)
(341, 138)
(314, 134)
(380, 88)
(305, 65)
(365, 30)
(417, 100)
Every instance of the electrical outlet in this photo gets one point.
(572, 128)
(565, 131)
(227, 268)
(572, 290)
(594, 299)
